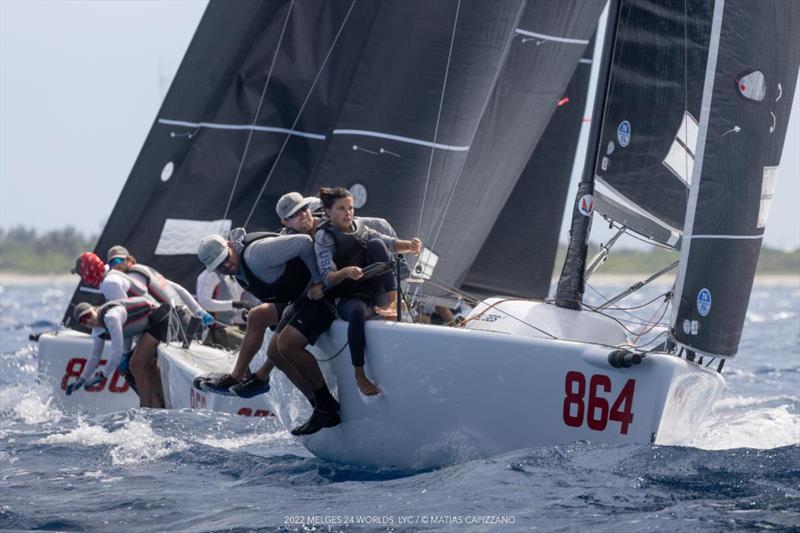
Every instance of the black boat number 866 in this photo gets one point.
(595, 407)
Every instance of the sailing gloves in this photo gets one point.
(206, 318)
(72, 387)
(94, 380)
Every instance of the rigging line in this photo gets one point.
(489, 94)
(258, 110)
(686, 88)
(625, 310)
(438, 116)
(300, 112)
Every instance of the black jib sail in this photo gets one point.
(649, 135)
(427, 111)
(753, 61)
(539, 195)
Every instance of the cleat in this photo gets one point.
(249, 387)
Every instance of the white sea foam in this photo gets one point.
(32, 405)
(731, 426)
(255, 439)
(134, 442)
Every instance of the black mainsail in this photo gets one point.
(416, 106)
(540, 194)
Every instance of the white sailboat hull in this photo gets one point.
(451, 395)
(62, 356)
(455, 394)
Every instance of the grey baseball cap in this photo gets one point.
(290, 203)
(81, 310)
(213, 250)
(117, 251)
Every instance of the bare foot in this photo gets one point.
(386, 313)
(366, 387)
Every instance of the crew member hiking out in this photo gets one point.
(279, 270)
(344, 245)
(120, 321)
(159, 287)
(224, 298)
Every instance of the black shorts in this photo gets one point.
(158, 323)
(281, 308)
(311, 318)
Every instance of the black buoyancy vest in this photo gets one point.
(350, 248)
(287, 288)
(138, 309)
(157, 285)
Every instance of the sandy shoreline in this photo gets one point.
(792, 280)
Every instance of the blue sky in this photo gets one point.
(81, 82)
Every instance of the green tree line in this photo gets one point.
(25, 251)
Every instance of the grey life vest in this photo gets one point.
(157, 285)
(135, 287)
(138, 308)
(287, 288)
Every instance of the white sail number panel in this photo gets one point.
(182, 236)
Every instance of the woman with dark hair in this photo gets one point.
(344, 245)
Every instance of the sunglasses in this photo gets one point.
(116, 261)
(298, 212)
(84, 319)
(224, 266)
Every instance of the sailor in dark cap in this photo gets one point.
(121, 321)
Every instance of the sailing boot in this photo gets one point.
(250, 387)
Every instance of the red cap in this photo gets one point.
(91, 269)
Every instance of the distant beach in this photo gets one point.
(765, 280)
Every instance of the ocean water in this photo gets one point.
(188, 470)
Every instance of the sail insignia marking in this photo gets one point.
(239, 127)
(409, 140)
(753, 86)
(181, 236)
(166, 172)
(554, 38)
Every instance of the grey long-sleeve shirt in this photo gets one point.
(267, 258)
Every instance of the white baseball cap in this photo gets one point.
(213, 250)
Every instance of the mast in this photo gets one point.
(569, 293)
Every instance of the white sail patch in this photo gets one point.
(753, 85)
(767, 192)
(182, 236)
(426, 264)
(680, 158)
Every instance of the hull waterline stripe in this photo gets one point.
(410, 140)
(724, 237)
(239, 127)
(553, 38)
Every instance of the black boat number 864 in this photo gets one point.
(595, 407)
